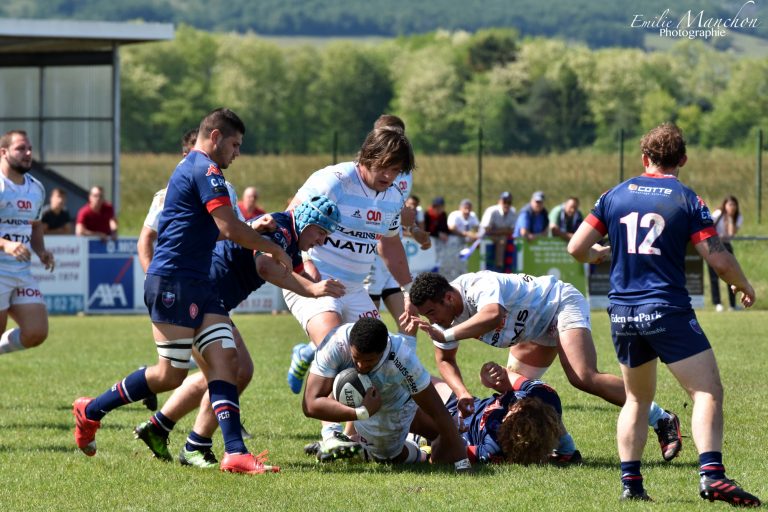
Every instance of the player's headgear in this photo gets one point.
(318, 210)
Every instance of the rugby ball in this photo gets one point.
(349, 387)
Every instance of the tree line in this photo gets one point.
(531, 95)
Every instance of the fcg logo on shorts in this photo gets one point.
(695, 326)
(168, 299)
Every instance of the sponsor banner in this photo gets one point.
(64, 288)
(548, 256)
(267, 299)
(111, 282)
(419, 260)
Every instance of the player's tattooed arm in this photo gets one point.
(715, 245)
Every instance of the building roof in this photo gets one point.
(42, 36)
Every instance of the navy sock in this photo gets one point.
(711, 465)
(226, 407)
(195, 442)
(631, 477)
(131, 389)
(162, 424)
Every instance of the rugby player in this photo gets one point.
(535, 317)
(21, 233)
(650, 219)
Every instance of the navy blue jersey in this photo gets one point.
(483, 425)
(187, 233)
(233, 268)
(649, 220)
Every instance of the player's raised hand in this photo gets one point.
(328, 288)
(494, 376)
(466, 407)
(46, 258)
(434, 333)
(18, 250)
(372, 400)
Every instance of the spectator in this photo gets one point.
(248, 205)
(727, 221)
(463, 224)
(97, 218)
(436, 223)
(565, 218)
(498, 223)
(414, 202)
(56, 219)
(188, 141)
(533, 220)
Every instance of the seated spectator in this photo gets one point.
(498, 224)
(414, 202)
(565, 218)
(97, 218)
(248, 204)
(56, 219)
(533, 220)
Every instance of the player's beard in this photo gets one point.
(19, 166)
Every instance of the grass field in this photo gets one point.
(41, 469)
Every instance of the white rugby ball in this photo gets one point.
(349, 387)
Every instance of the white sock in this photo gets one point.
(10, 341)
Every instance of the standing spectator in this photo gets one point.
(463, 224)
(727, 221)
(20, 235)
(56, 219)
(414, 202)
(564, 219)
(436, 223)
(498, 223)
(97, 218)
(188, 141)
(650, 219)
(533, 220)
(248, 204)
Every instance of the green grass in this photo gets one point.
(41, 469)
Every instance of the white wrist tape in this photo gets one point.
(449, 335)
(362, 413)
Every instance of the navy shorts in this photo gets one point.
(181, 301)
(645, 332)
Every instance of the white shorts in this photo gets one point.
(353, 305)
(384, 433)
(572, 313)
(19, 289)
(380, 278)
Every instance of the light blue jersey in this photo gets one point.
(20, 206)
(531, 304)
(398, 375)
(366, 216)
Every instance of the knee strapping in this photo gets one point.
(178, 352)
(217, 332)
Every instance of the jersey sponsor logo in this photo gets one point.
(640, 318)
(373, 216)
(214, 169)
(356, 247)
(109, 295)
(15, 222)
(13, 237)
(374, 313)
(357, 214)
(358, 234)
(193, 311)
(519, 327)
(168, 299)
(402, 185)
(28, 292)
(654, 191)
(338, 175)
(24, 204)
(409, 380)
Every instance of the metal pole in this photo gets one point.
(759, 174)
(480, 170)
(335, 146)
(116, 203)
(621, 155)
